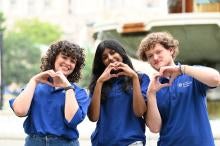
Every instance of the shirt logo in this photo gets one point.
(185, 84)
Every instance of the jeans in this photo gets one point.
(35, 140)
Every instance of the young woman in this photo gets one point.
(53, 103)
(117, 98)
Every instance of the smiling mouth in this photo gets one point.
(64, 68)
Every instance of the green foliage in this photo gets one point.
(21, 59)
(2, 19)
(22, 52)
(38, 32)
(86, 72)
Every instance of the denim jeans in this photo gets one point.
(35, 140)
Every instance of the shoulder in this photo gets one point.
(143, 76)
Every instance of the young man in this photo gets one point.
(177, 93)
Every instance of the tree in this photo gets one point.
(2, 19)
(22, 49)
(21, 58)
(86, 72)
(39, 32)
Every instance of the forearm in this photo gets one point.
(206, 75)
(139, 105)
(153, 118)
(22, 102)
(94, 107)
(71, 105)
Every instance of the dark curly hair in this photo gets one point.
(66, 48)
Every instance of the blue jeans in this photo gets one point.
(35, 140)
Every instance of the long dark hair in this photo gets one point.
(99, 67)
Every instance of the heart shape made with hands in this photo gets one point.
(169, 73)
(164, 80)
(55, 80)
(113, 71)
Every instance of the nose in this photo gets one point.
(68, 61)
(110, 58)
(155, 56)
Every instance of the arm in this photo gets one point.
(94, 107)
(71, 104)
(139, 105)
(77, 115)
(206, 75)
(152, 117)
(22, 102)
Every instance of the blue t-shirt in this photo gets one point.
(184, 114)
(117, 124)
(46, 114)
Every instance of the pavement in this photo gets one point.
(12, 133)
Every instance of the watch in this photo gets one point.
(69, 87)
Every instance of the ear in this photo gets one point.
(171, 51)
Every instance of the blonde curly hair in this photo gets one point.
(163, 38)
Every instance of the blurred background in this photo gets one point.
(28, 27)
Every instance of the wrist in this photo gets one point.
(69, 87)
(151, 94)
(135, 76)
(182, 69)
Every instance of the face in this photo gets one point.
(65, 64)
(159, 56)
(110, 56)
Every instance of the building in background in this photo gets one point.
(74, 15)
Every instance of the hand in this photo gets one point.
(52, 78)
(107, 74)
(170, 72)
(124, 69)
(155, 84)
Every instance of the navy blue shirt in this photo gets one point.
(184, 114)
(117, 124)
(46, 114)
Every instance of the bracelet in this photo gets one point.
(182, 69)
(69, 87)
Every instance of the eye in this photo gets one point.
(64, 57)
(112, 52)
(73, 61)
(149, 56)
(159, 52)
(104, 57)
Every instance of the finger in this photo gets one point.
(164, 85)
(52, 73)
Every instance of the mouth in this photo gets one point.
(65, 68)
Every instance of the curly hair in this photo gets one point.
(163, 38)
(66, 48)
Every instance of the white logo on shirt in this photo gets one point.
(185, 84)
